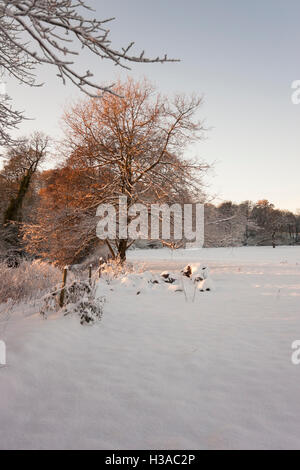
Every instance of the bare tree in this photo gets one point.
(133, 147)
(53, 32)
(23, 161)
(140, 140)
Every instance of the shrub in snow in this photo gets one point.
(80, 298)
(89, 309)
(114, 269)
(187, 271)
(199, 273)
(193, 276)
(28, 281)
(167, 277)
(205, 286)
(77, 290)
(136, 284)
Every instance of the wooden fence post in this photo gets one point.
(100, 266)
(90, 274)
(62, 292)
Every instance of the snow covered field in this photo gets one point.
(161, 371)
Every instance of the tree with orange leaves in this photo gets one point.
(140, 142)
(62, 228)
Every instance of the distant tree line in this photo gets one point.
(250, 223)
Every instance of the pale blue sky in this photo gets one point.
(243, 56)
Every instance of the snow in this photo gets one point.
(163, 369)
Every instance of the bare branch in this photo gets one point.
(53, 32)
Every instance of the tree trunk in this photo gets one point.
(273, 240)
(13, 212)
(122, 248)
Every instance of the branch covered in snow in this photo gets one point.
(9, 119)
(53, 32)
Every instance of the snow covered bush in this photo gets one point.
(89, 310)
(195, 277)
(79, 298)
(206, 285)
(115, 269)
(28, 281)
(192, 278)
(169, 278)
